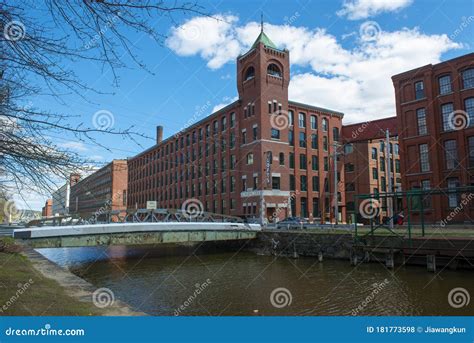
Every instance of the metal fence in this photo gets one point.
(415, 211)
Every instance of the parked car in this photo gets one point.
(292, 222)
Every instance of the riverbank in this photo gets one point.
(30, 285)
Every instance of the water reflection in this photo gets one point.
(241, 283)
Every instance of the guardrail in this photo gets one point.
(136, 216)
(310, 226)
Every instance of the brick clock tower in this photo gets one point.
(263, 75)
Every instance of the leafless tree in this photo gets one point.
(38, 41)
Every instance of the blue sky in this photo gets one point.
(350, 47)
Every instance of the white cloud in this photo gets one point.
(74, 145)
(362, 74)
(212, 38)
(362, 9)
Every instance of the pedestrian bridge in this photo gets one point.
(133, 234)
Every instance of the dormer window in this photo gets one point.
(250, 73)
(274, 70)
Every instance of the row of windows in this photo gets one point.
(445, 84)
(451, 157)
(452, 120)
(313, 121)
(314, 140)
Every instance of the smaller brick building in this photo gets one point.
(365, 168)
(105, 189)
(47, 210)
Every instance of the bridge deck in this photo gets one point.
(133, 234)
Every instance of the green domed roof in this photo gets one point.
(263, 38)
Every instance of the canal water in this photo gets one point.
(243, 283)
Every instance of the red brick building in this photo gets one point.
(435, 113)
(262, 156)
(105, 189)
(365, 165)
(47, 210)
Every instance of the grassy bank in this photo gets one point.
(25, 292)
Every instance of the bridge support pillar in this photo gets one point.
(431, 263)
(389, 260)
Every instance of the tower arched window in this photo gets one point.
(274, 70)
(250, 73)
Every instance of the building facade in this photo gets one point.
(435, 113)
(263, 156)
(61, 200)
(105, 189)
(47, 210)
(365, 167)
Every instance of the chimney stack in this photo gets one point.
(74, 178)
(159, 134)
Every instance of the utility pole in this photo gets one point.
(389, 178)
(336, 181)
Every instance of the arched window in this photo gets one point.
(273, 70)
(250, 73)
(314, 123)
(325, 124)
